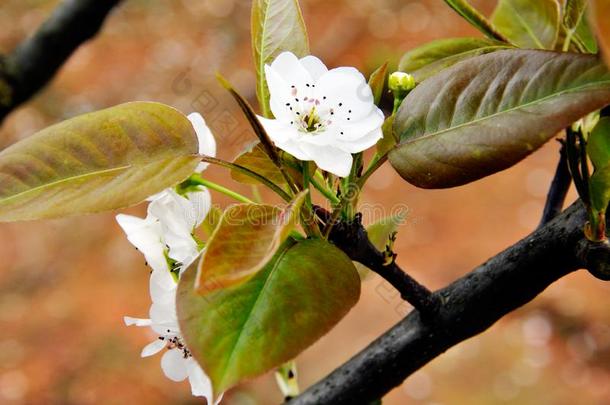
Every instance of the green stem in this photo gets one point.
(325, 191)
(263, 180)
(217, 187)
(375, 164)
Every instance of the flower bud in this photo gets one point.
(401, 84)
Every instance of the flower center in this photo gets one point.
(175, 342)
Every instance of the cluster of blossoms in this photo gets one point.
(165, 238)
(321, 115)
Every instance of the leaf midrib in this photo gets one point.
(65, 180)
(272, 274)
(482, 119)
(525, 25)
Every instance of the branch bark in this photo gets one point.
(36, 60)
(559, 188)
(468, 307)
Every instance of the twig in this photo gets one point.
(470, 305)
(559, 188)
(353, 240)
(36, 60)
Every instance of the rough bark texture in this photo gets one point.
(468, 306)
(36, 60)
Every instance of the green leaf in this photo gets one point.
(487, 113)
(378, 81)
(476, 19)
(256, 159)
(600, 11)
(529, 24)
(243, 331)
(574, 11)
(246, 238)
(379, 234)
(97, 162)
(429, 59)
(598, 149)
(598, 145)
(585, 38)
(385, 144)
(277, 26)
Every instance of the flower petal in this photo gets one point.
(347, 93)
(146, 236)
(201, 386)
(173, 365)
(330, 159)
(363, 127)
(162, 287)
(362, 143)
(129, 321)
(153, 348)
(207, 143)
(201, 202)
(314, 66)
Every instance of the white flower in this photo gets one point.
(321, 115)
(165, 238)
(177, 362)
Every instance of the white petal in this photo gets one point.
(363, 127)
(346, 90)
(278, 130)
(294, 148)
(152, 348)
(291, 70)
(201, 386)
(207, 143)
(314, 66)
(330, 159)
(129, 321)
(361, 144)
(146, 236)
(201, 203)
(162, 287)
(173, 365)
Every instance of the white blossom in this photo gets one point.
(321, 115)
(165, 238)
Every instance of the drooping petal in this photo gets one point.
(347, 93)
(201, 386)
(278, 130)
(146, 236)
(314, 66)
(153, 348)
(330, 159)
(162, 287)
(173, 365)
(201, 203)
(207, 143)
(129, 321)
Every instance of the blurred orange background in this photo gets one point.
(66, 284)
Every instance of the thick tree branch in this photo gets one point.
(36, 60)
(469, 306)
(559, 188)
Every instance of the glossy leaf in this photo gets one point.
(246, 238)
(255, 159)
(598, 149)
(475, 18)
(378, 81)
(585, 38)
(429, 59)
(379, 234)
(246, 330)
(601, 19)
(385, 144)
(277, 26)
(97, 162)
(529, 24)
(487, 113)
